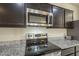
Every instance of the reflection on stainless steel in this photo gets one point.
(35, 49)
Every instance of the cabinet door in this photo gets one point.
(56, 53)
(58, 17)
(77, 48)
(39, 6)
(12, 15)
(45, 7)
(67, 51)
(33, 5)
(68, 18)
(77, 53)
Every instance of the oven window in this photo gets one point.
(37, 18)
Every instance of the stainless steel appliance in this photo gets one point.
(37, 44)
(39, 18)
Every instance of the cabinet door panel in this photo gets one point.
(77, 54)
(58, 17)
(77, 48)
(12, 15)
(45, 7)
(68, 18)
(33, 5)
(67, 51)
(39, 6)
(56, 53)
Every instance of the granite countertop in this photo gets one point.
(17, 47)
(12, 48)
(64, 43)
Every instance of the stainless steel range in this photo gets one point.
(36, 43)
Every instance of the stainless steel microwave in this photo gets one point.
(38, 18)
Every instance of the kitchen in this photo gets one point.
(14, 38)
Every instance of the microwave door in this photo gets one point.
(41, 19)
(37, 17)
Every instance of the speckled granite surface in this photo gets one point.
(64, 43)
(12, 48)
(17, 48)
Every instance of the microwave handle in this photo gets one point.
(50, 18)
(26, 17)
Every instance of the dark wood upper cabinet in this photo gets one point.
(33, 5)
(39, 6)
(58, 17)
(12, 15)
(68, 18)
(45, 7)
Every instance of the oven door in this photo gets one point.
(38, 18)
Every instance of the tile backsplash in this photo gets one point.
(10, 34)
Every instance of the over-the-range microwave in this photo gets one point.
(38, 18)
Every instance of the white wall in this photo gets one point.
(9, 34)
